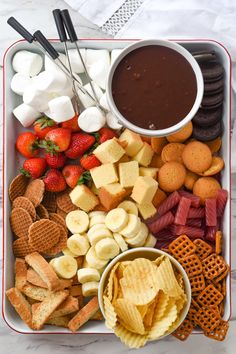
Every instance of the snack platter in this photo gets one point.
(12, 164)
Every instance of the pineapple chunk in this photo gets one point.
(144, 156)
(146, 210)
(111, 195)
(144, 189)
(148, 171)
(128, 173)
(110, 151)
(132, 140)
(82, 197)
(104, 174)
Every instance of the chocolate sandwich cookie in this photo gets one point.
(214, 101)
(209, 133)
(206, 117)
(211, 71)
(213, 87)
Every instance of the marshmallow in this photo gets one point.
(51, 81)
(98, 64)
(114, 54)
(61, 109)
(26, 114)
(91, 120)
(36, 98)
(112, 121)
(75, 61)
(49, 64)
(85, 99)
(27, 63)
(103, 102)
(19, 83)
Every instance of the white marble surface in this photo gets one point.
(38, 13)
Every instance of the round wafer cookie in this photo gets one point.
(21, 247)
(25, 203)
(42, 212)
(60, 245)
(61, 213)
(18, 186)
(58, 219)
(35, 191)
(64, 202)
(43, 234)
(20, 221)
(50, 201)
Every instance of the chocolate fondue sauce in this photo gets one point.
(154, 87)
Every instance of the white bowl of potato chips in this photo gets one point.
(144, 295)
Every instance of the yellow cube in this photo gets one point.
(128, 173)
(144, 156)
(146, 210)
(104, 174)
(110, 151)
(132, 140)
(111, 195)
(83, 198)
(144, 189)
(148, 171)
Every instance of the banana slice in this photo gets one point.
(90, 288)
(140, 238)
(95, 213)
(67, 252)
(78, 244)
(96, 227)
(150, 241)
(98, 235)
(121, 242)
(116, 219)
(65, 266)
(132, 227)
(107, 248)
(77, 221)
(52, 261)
(97, 219)
(88, 274)
(129, 207)
(93, 260)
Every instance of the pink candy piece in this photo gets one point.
(195, 200)
(168, 203)
(162, 244)
(211, 233)
(221, 200)
(191, 232)
(196, 213)
(182, 211)
(210, 207)
(164, 234)
(194, 222)
(161, 223)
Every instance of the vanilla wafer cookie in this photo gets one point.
(18, 186)
(64, 202)
(21, 247)
(50, 201)
(35, 191)
(43, 234)
(60, 245)
(20, 221)
(61, 213)
(58, 219)
(25, 203)
(42, 212)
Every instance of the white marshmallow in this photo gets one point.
(85, 99)
(36, 98)
(112, 121)
(75, 61)
(114, 54)
(91, 120)
(26, 114)
(51, 81)
(19, 83)
(103, 102)
(98, 64)
(49, 64)
(61, 109)
(27, 63)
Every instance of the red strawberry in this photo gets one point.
(57, 140)
(27, 144)
(72, 174)
(44, 125)
(89, 161)
(56, 160)
(72, 124)
(54, 181)
(79, 144)
(106, 134)
(34, 167)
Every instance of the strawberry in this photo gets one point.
(106, 134)
(89, 161)
(56, 160)
(34, 167)
(27, 144)
(72, 124)
(44, 125)
(54, 181)
(79, 144)
(72, 174)
(57, 140)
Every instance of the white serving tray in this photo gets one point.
(11, 164)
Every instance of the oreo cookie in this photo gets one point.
(213, 101)
(211, 133)
(206, 118)
(211, 71)
(213, 87)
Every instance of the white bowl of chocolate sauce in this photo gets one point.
(154, 87)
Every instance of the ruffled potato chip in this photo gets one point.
(132, 340)
(110, 314)
(109, 290)
(158, 260)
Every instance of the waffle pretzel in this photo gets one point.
(181, 247)
(197, 283)
(203, 249)
(218, 242)
(213, 266)
(210, 296)
(222, 275)
(219, 332)
(208, 318)
(43, 234)
(184, 330)
(192, 265)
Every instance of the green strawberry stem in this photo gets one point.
(84, 178)
(24, 172)
(44, 122)
(49, 146)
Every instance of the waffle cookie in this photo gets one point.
(17, 187)
(20, 221)
(43, 235)
(25, 203)
(35, 191)
(21, 247)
